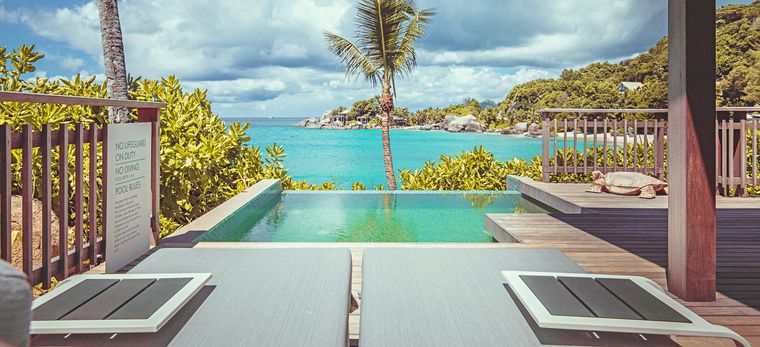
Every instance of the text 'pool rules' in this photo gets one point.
(127, 193)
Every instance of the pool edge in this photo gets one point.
(218, 215)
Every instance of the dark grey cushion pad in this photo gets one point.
(15, 306)
(277, 297)
(447, 297)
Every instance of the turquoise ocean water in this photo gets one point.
(346, 156)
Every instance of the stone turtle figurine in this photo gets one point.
(627, 183)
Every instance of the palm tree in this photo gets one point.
(113, 56)
(386, 33)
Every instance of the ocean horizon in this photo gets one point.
(347, 156)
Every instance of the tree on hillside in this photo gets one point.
(113, 57)
(386, 33)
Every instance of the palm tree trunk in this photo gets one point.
(113, 56)
(387, 157)
(386, 106)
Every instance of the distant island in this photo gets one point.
(364, 114)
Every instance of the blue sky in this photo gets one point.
(268, 58)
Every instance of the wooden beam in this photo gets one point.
(74, 100)
(691, 142)
(602, 110)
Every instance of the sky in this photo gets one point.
(268, 57)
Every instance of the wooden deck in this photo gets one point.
(611, 234)
(572, 198)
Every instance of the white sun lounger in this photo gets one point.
(605, 303)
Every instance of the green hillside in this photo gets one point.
(595, 86)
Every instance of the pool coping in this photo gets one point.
(406, 192)
(221, 213)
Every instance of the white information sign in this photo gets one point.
(127, 189)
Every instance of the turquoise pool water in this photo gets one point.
(369, 216)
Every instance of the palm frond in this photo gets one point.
(406, 56)
(378, 28)
(356, 62)
(386, 33)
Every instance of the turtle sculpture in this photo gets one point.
(627, 183)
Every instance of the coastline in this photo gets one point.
(601, 139)
(451, 123)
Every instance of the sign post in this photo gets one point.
(127, 193)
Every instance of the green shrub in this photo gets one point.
(204, 161)
(476, 170)
(358, 186)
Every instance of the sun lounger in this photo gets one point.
(457, 297)
(629, 304)
(283, 297)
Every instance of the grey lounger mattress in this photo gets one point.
(456, 297)
(277, 297)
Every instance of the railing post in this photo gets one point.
(78, 197)
(660, 149)
(63, 201)
(46, 149)
(5, 192)
(92, 195)
(153, 115)
(27, 192)
(545, 147)
(739, 152)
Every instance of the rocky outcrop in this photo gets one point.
(534, 130)
(467, 123)
(509, 131)
(521, 127)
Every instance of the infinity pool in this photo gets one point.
(369, 216)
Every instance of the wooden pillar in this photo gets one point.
(691, 142)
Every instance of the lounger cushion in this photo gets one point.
(447, 297)
(15, 306)
(275, 297)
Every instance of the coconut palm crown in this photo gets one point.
(386, 32)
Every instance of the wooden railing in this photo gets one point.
(580, 141)
(88, 251)
(737, 157)
(604, 140)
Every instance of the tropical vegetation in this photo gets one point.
(386, 33)
(204, 161)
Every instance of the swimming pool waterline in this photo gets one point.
(369, 216)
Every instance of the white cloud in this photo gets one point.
(310, 92)
(268, 57)
(71, 63)
(196, 38)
